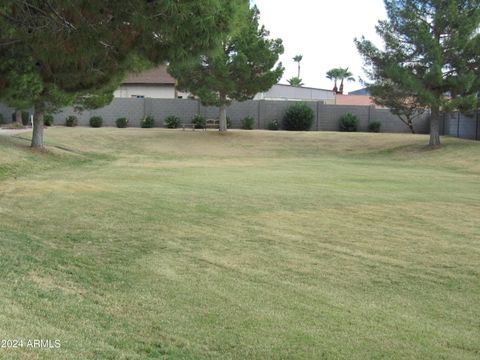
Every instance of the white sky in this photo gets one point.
(323, 32)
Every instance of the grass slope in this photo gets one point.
(151, 244)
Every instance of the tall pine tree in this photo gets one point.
(244, 64)
(432, 53)
(77, 52)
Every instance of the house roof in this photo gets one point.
(364, 100)
(362, 91)
(304, 87)
(155, 76)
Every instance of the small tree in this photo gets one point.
(432, 51)
(295, 81)
(334, 74)
(244, 65)
(79, 52)
(344, 74)
(341, 74)
(402, 103)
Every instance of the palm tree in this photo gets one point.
(345, 74)
(295, 81)
(339, 74)
(298, 59)
(334, 74)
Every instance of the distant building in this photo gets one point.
(295, 93)
(360, 100)
(158, 84)
(155, 83)
(363, 91)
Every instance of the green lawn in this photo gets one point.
(152, 244)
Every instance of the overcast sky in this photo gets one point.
(323, 32)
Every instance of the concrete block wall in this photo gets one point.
(329, 116)
(236, 111)
(270, 111)
(462, 126)
(6, 113)
(326, 117)
(182, 108)
(391, 122)
(132, 109)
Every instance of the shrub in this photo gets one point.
(2, 120)
(298, 117)
(71, 121)
(122, 122)
(199, 122)
(229, 122)
(348, 122)
(48, 120)
(248, 123)
(147, 122)
(273, 125)
(96, 121)
(172, 122)
(374, 126)
(25, 117)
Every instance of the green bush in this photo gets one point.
(2, 120)
(96, 121)
(172, 122)
(248, 123)
(199, 122)
(298, 117)
(348, 122)
(71, 121)
(122, 122)
(48, 120)
(148, 122)
(229, 123)
(374, 126)
(273, 125)
(25, 118)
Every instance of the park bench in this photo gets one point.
(212, 124)
(209, 124)
(191, 126)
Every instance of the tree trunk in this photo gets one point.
(298, 70)
(407, 120)
(223, 117)
(18, 117)
(37, 135)
(335, 88)
(435, 127)
(410, 125)
(341, 87)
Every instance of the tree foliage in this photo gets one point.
(298, 117)
(341, 74)
(78, 52)
(432, 55)
(401, 102)
(244, 64)
(298, 59)
(295, 81)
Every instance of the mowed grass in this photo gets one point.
(163, 244)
